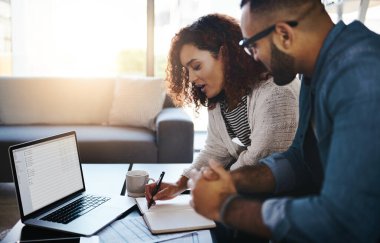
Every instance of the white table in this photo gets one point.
(106, 179)
(172, 171)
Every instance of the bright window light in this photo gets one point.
(78, 37)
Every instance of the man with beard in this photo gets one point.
(326, 185)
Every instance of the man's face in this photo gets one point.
(260, 50)
(282, 66)
(264, 50)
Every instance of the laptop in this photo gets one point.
(50, 188)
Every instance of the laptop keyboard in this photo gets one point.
(75, 209)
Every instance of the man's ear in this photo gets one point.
(284, 35)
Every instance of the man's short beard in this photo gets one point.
(282, 66)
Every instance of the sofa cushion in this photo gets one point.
(97, 144)
(137, 101)
(55, 100)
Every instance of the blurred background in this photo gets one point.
(117, 37)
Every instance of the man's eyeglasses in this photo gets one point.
(247, 44)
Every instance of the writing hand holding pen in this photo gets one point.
(167, 190)
(155, 190)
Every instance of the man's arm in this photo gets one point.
(245, 215)
(254, 179)
(277, 173)
(217, 199)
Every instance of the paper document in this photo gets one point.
(91, 239)
(133, 230)
(201, 236)
(173, 215)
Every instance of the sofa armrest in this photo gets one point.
(175, 136)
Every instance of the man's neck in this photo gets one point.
(315, 43)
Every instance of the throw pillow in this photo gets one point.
(137, 101)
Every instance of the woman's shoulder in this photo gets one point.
(269, 87)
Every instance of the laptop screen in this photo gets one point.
(47, 171)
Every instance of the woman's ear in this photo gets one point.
(222, 52)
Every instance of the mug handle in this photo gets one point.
(150, 179)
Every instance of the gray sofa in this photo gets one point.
(32, 108)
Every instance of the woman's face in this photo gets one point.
(205, 71)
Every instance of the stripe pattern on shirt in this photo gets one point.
(237, 121)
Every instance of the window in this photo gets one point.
(171, 15)
(103, 37)
(350, 10)
(79, 37)
(109, 37)
(5, 38)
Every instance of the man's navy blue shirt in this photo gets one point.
(335, 156)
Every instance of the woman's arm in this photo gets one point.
(215, 147)
(274, 120)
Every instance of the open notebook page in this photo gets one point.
(173, 215)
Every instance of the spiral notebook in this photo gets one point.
(173, 215)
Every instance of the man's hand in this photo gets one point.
(208, 173)
(210, 190)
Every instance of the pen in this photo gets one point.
(155, 190)
(51, 239)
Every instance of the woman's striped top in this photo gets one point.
(237, 121)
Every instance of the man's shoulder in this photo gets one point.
(354, 47)
(359, 28)
(351, 65)
(355, 40)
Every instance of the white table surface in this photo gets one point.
(172, 171)
(106, 179)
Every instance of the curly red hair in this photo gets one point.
(213, 33)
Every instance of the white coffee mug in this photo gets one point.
(136, 181)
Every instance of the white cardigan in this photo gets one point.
(272, 118)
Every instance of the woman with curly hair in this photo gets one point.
(249, 116)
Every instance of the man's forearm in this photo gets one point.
(245, 215)
(254, 179)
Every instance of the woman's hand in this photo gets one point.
(167, 190)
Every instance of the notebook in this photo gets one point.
(51, 191)
(173, 215)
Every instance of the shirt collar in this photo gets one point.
(326, 49)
